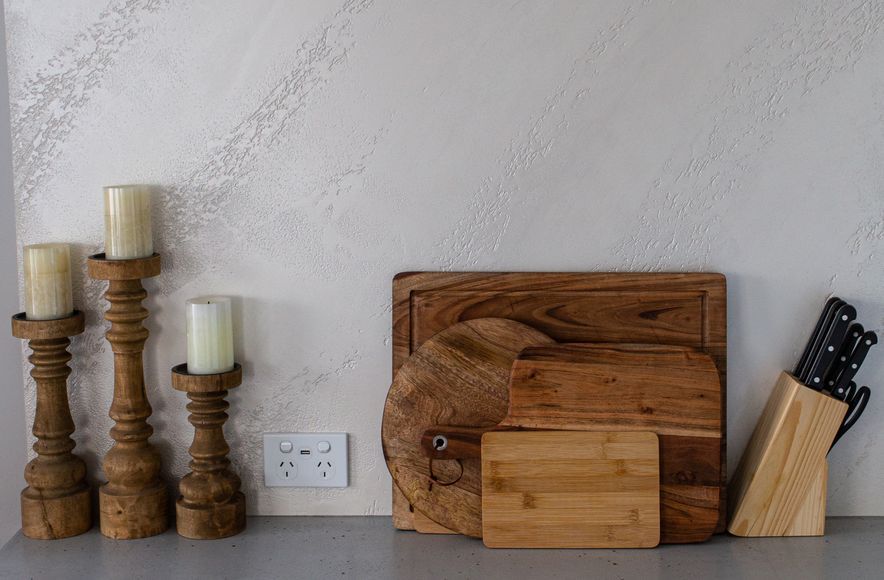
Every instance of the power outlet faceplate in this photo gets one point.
(305, 460)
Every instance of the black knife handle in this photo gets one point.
(828, 307)
(816, 339)
(830, 346)
(854, 333)
(866, 342)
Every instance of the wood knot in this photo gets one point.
(686, 477)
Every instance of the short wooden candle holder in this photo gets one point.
(134, 501)
(211, 505)
(779, 488)
(56, 504)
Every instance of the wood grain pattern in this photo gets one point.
(676, 308)
(549, 489)
(782, 462)
(458, 377)
(425, 525)
(211, 505)
(671, 391)
(134, 501)
(403, 511)
(665, 389)
(57, 501)
(810, 520)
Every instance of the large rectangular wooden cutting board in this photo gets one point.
(570, 489)
(687, 309)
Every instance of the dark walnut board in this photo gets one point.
(685, 309)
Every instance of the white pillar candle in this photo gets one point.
(209, 335)
(127, 230)
(48, 281)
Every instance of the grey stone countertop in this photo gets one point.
(368, 548)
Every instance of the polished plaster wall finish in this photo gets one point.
(308, 151)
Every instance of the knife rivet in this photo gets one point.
(831, 348)
(816, 379)
(853, 366)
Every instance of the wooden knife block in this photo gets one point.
(779, 488)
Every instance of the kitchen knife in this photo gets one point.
(866, 341)
(855, 408)
(804, 373)
(813, 335)
(830, 346)
(854, 332)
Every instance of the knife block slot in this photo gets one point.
(779, 488)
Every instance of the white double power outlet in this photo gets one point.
(305, 459)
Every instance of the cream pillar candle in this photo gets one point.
(127, 229)
(48, 281)
(209, 335)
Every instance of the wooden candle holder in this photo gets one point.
(56, 504)
(211, 505)
(134, 501)
(779, 488)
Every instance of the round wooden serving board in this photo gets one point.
(459, 377)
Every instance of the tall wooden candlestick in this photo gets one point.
(134, 501)
(56, 504)
(211, 505)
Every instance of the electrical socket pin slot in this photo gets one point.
(305, 460)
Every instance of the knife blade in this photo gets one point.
(830, 346)
(804, 373)
(866, 342)
(854, 333)
(808, 348)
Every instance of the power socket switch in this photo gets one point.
(305, 460)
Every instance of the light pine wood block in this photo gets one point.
(811, 517)
(779, 487)
(570, 489)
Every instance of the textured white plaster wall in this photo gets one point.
(311, 150)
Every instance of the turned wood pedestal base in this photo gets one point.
(134, 501)
(45, 518)
(211, 505)
(128, 516)
(212, 521)
(57, 502)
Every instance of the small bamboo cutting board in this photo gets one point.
(570, 489)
